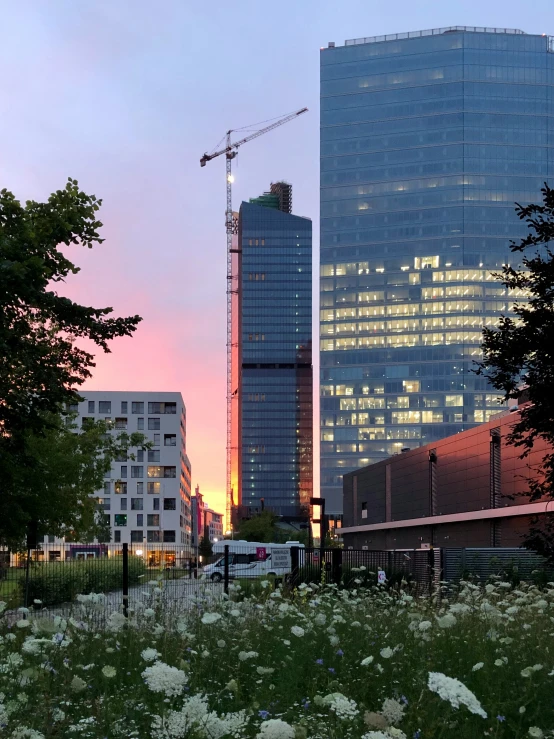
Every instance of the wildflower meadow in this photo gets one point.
(314, 663)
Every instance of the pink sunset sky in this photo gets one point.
(125, 97)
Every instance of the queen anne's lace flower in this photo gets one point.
(455, 692)
(210, 618)
(297, 631)
(275, 729)
(343, 707)
(162, 678)
(149, 655)
(393, 710)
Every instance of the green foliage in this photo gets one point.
(264, 527)
(205, 548)
(42, 362)
(60, 582)
(519, 352)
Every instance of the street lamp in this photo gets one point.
(319, 503)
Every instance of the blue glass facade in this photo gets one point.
(275, 388)
(426, 143)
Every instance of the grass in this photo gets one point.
(328, 663)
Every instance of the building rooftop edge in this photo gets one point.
(432, 32)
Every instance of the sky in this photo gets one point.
(125, 96)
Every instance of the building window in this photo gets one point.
(169, 536)
(156, 439)
(170, 440)
(123, 471)
(137, 504)
(153, 424)
(123, 504)
(120, 519)
(104, 406)
(170, 504)
(140, 424)
(107, 487)
(152, 519)
(140, 519)
(156, 504)
(364, 510)
(153, 455)
(163, 408)
(117, 537)
(137, 471)
(105, 505)
(156, 471)
(140, 488)
(120, 488)
(154, 488)
(91, 406)
(137, 407)
(120, 423)
(124, 406)
(137, 536)
(153, 537)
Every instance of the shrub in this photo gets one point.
(60, 582)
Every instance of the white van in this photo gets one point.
(251, 559)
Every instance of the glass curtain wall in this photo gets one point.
(426, 144)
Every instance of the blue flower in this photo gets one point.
(501, 718)
(263, 714)
(404, 700)
(417, 734)
(331, 669)
(319, 661)
(340, 652)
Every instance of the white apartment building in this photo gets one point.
(147, 499)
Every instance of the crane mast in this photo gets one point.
(231, 228)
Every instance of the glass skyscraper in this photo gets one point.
(427, 141)
(273, 326)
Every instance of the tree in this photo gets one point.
(68, 466)
(520, 352)
(258, 528)
(205, 547)
(41, 365)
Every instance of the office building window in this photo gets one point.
(153, 519)
(169, 536)
(140, 519)
(137, 536)
(104, 406)
(117, 536)
(107, 487)
(123, 472)
(170, 504)
(140, 488)
(156, 439)
(120, 423)
(120, 519)
(140, 455)
(137, 471)
(156, 504)
(170, 440)
(137, 504)
(124, 406)
(123, 504)
(154, 488)
(153, 455)
(153, 424)
(91, 406)
(120, 488)
(153, 537)
(163, 408)
(140, 424)
(137, 407)
(157, 471)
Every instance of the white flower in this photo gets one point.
(392, 711)
(235, 613)
(275, 729)
(23, 624)
(265, 670)
(455, 692)
(367, 661)
(161, 678)
(446, 621)
(535, 732)
(500, 663)
(77, 684)
(149, 612)
(334, 640)
(477, 666)
(343, 707)
(210, 618)
(221, 643)
(109, 671)
(386, 653)
(297, 631)
(320, 619)
(149, 655)
(425, 625)
(243, 656)
(528, 671)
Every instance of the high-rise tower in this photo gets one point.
(273, 329)
(427, 141)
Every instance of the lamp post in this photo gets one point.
(320, 503)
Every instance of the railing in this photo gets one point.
(430, 32)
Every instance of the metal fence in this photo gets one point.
(482, 563)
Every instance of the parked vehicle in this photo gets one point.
(251, 559)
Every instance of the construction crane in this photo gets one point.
(231, 150)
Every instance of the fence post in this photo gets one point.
(294, 567)
(336, 560)
(125, 579)
(226, 569)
